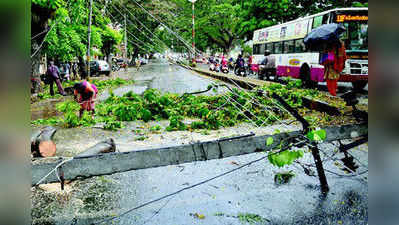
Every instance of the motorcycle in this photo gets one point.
(214, 67)
(240, 71)
(225, 69)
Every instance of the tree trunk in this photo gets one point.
(42, 144)
(106, 146)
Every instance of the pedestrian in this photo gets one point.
(138, 63)
(74, 70)
(88, 93)
(53, 74)
(334, 63)
(250, 64)
(67, 71)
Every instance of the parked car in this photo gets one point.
(98, 67)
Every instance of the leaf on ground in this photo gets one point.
(269, 141)
(199, 216)
(234, 163)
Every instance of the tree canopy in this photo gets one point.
(156, 25)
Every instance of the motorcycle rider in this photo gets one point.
(240, 63)
(224, 62)
(262, 69)
(211, 59)
(231, 63)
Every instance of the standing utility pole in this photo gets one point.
(125, 53)
(193, 1)
(88, 39)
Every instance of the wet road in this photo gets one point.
(165, 77)
(250, 190)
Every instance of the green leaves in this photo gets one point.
(269, 141)
(284, 158)
(317, 135)
(146, 115)
(176, 123)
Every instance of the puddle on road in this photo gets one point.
(45, 109)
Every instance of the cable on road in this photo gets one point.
(187, 188)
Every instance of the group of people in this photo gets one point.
(239, 62)
(85, 93)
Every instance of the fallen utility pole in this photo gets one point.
(110, 163)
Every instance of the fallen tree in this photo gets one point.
(106, 146)
(42, 144)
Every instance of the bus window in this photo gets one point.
(269, 47)
(317, 21)
(289, 46)
(299, 46)
(325, 19)
(278, 47)
(262, 49)
(256, 49)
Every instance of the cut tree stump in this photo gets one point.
(106, 146)
(42, 144)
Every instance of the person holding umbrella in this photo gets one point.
(326, 39)
(334, 64)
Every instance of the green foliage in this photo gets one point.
(71, 119)
(100, 84)
(155, 128)
(211, 112)
(112, 124)
(146, 115)
(68, 106)
(49, 121)
(284, 158)
(176, 123)
(250, 218)
(51, 4)
(67, 39)
(269, 141)
(284, 177)
(317, 135)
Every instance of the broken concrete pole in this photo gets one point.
(106, 146)
(42, 144)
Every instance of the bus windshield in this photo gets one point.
(356, 35)
(356, 24)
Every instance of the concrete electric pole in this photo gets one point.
(88, 39)
(193, 1)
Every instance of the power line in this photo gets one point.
(133, 34)
(45, 37)
(187, 188)
(139, 23)
(167, 28)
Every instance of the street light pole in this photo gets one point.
(88, 38)
(193, 1)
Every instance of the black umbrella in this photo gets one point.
(327, 34)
